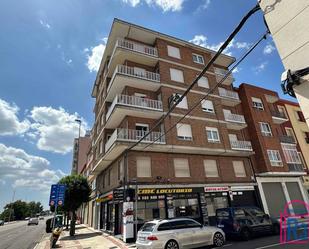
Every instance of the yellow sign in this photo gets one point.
(103, 199)
(160, 191)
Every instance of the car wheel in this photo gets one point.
(218, 240)
(245, 234)
(276, 229)
(171, 244)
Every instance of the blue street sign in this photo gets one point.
(57, 194)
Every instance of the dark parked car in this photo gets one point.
(245, 222)
(1, 222)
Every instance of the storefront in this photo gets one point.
(107, 212)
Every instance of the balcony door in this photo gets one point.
(141, 130)
(233, 137)
(141, 72)
(142, 99)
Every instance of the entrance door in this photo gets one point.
(141, 130)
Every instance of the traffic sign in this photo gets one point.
(57, 194)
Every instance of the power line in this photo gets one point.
(212, 60)
(210, 90)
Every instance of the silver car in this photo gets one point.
(34, 221)
(177, 234)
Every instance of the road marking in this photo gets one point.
(277, 244)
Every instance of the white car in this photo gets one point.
(177, 234)
(34, 221)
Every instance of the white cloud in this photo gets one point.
(95, 56)
(45, 24)
(240, 45)
(9, 122)
(133, 3)
(26, 170)
(55, 129)
(261, 67)
(236, 70)
(165, 5)
(268, 49)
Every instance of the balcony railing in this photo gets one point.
(127, 135)
(134, 101)
(277, 114)
(231, 117)
(287, 139)
(228, 94)
(241, 145)
(293, 167)
(137, 47)
(131, 71)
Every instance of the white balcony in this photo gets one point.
(133, 77)
(124, 105)
(220, 74)
(229, 98)
(126, 50)
(241, 145)
(235, 121)
(278, 117)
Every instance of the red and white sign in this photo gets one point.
(216, 189)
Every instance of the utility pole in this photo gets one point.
(13, 197)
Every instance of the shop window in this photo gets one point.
(143, 165)
(150, 210)
(208, 106)
(265, 129)
(176, 75)
(239, 169)
(198, 58)
(215, 202)
(275, 158)
(212, 135)
(181, 167)
(186, 207)
(257, 103)
(184, 131)
(173, 52)
(211, 169)
(203, 82)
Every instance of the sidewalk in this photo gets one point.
(85, 238)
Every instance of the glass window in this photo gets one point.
(183, 103)
(208, 106)
(198, 58)
(176, 75)
(179, 224)
(184, 131)
(274, 158)
(148, 227)
(164, 226)
(173, 51)
(291, 154)
(239, 213)
(215, 202)
(265, 129)
(184, 209)
(149, 210)
(211, 169)
(239, 169)
(192, 224)
(223, 214)
(143, 165)
(181, 167)
(257, 103)
(212, 135)
(203, 82)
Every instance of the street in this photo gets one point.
(19, 235)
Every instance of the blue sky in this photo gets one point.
(49, 54)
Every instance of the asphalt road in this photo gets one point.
(19, 235)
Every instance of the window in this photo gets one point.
(239, 169)
(173, 52)
(274, 158)
(198, 58)
(184, 131)
(176, 75)
(181, 167)
(183, 104)
(291, 154)
(143, 165)
(306, 134)
(265, 129)
(300, 116)
(281, 109)
(164, 227)
(101, 146)
(102, 118)
(208, 106)
(120, 169)
(212, 135)
(257, 103)
(211, 169)
(289, 132)
(203, 82)
(139, 71)
(192, 224)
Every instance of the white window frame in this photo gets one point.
(211, 168)
(275, 158)
(199, 58)
(173, 52)
(291, 154)
(203, 82)
(184, 132)
(239, 171)
(183, 104)
(257, 103)
(207, 106)
(265, 132)
(180, 162)
(212, 130)
(173, 73)
(141, 164)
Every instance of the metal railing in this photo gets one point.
(231, 117)
(131, 71)
(241, 145)
(228, 94)
(278, 114)
(138, 47)
(127, 135)
(287, 139)
(135, 101)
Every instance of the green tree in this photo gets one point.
(77, 192)
(18, 210)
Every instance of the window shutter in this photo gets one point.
(183, 104)
(143, 165)
(239, 169)
(173, 51)
(176, 75)
(211, 169)
(184, 131)
(203, 82)
(207, 106)
(181, 167)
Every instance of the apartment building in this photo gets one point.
(202, 164)
(80, 149)
(299, 130)
(277, 161)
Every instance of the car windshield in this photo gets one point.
(148, 227)
(256, 212)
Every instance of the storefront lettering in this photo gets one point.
(164, 191)
(216, 189)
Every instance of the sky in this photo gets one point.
(49, 56)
